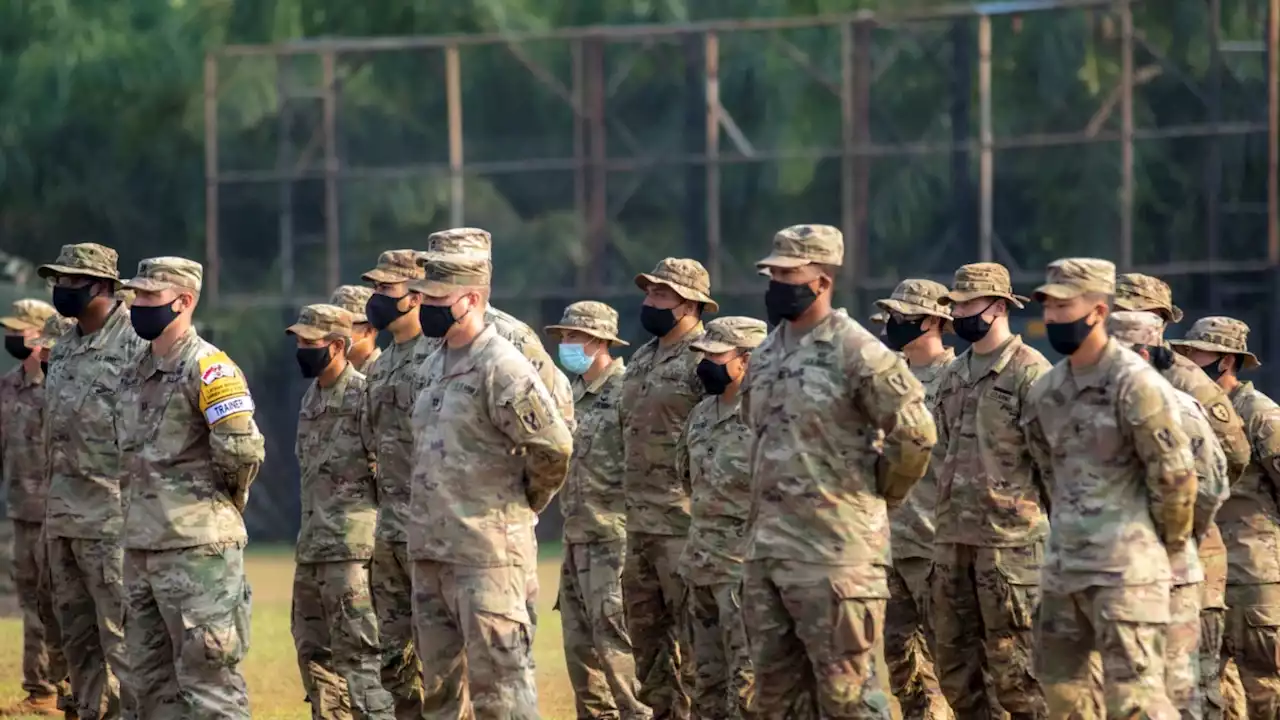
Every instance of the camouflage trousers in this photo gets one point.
(655, 597)
(1234, 704)
(1213, 611)
(88, 588)
(9, 601)
(335, 633)
(1252, 639)
(597, 647)
(188, 613)
(909, 641)
(724, 684)
(44, 669)
(817, 641)
(1122, 630)
(393, 605)
(1182, 652)
(984, 607)
(475, 619)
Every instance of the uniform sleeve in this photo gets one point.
(1038, 448)
(366, 438)
(682, 460)
(1213, 484)
(562, 394)
(236, 446)
(1227, 425)
(1040, 470)
(1150, 416)
(1267, 446)
(523, 410)
(893, 400)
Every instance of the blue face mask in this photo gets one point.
(574, 358)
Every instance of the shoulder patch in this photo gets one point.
(223, 391)
(1220, 412)
(531, 412)
(897, 381)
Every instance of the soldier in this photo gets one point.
(385, 425)
(192, 450)
(364, 336)
(713, 460)
(1250, 519)
(597, 647)
(334, 625)
(915, 318)
(991, 519)
(659, 391)
(1143, 331)
(1105, 431)
(30, 329)
(490, 452)
(820, 392)
(83, 511)
(1135, 291)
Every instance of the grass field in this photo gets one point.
(272, 670)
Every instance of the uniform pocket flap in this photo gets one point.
(1262, 616)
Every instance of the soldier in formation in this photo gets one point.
(364, 336)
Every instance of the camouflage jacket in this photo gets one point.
(1109, 443)
(191, 447)
(490, 451)
(1250, 519)
(989, 490)
(390, 388)
(593, 501)
(840, 428)
(658, 393)
(23, 456)
(82, 409)
(1212, 487)
(714, 462)
(1186, 376)
(339, 494)
(912, 522)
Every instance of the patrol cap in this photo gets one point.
(395, 266)
(1218, 334)
(917, 297)
(1135, 327)
(86, 259)
(54, 327)
(446, 273)
(688, 278)
(1072, 277)
(353, 299)
(593, 318)
(732, 332)
(982, 280)
(1135, 291)
(464, 240)
(163, 273)
(801, 245)
(321, 322)
(27, 314)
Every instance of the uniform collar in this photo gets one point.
(467, 362)
(990, 364)
(1097, 375)
(333, 395)
(823, 332)
(118, 316)
(174, 361)
(580, 387)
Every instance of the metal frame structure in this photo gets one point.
(589, 89)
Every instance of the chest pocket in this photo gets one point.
(809, 387)
(999, 410)
(591, 421)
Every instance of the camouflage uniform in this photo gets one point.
(658, 393)
(1250, 524)
(1182, 650)
(335, 629)
(1121, 480)
(354, 299)
(818, 557)
(384, 423)
(191, 449)
(713, 460)
(597, 646)
(24, 464)
(1135, 291)
(991, 519)
(908, 635)
(84, 514)
(490, 452)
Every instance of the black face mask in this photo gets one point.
(1161, 357)
(150, 322)
(313, 360)
(382, 310)
(436, 319)
(16, 345)
(785, 301)
(1213, 369)
(72, 302)
(973, 328)
(900, 333)
(1066, 338)
(657, 321)
(715, 377)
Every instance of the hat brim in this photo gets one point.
(959, 296)
(1173, 315)
(1057, 292)
(713, 347)
(1251, 361)
(434, 288)
(13, 323)
(903, 307)
(361, 318)
(306, 332)
(377, 275)
(153, 285)
(54, 271)
(602, 335)
(644, 280)
(782, 261)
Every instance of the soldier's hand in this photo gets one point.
(1177, 521)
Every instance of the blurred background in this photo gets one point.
(285, 143)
